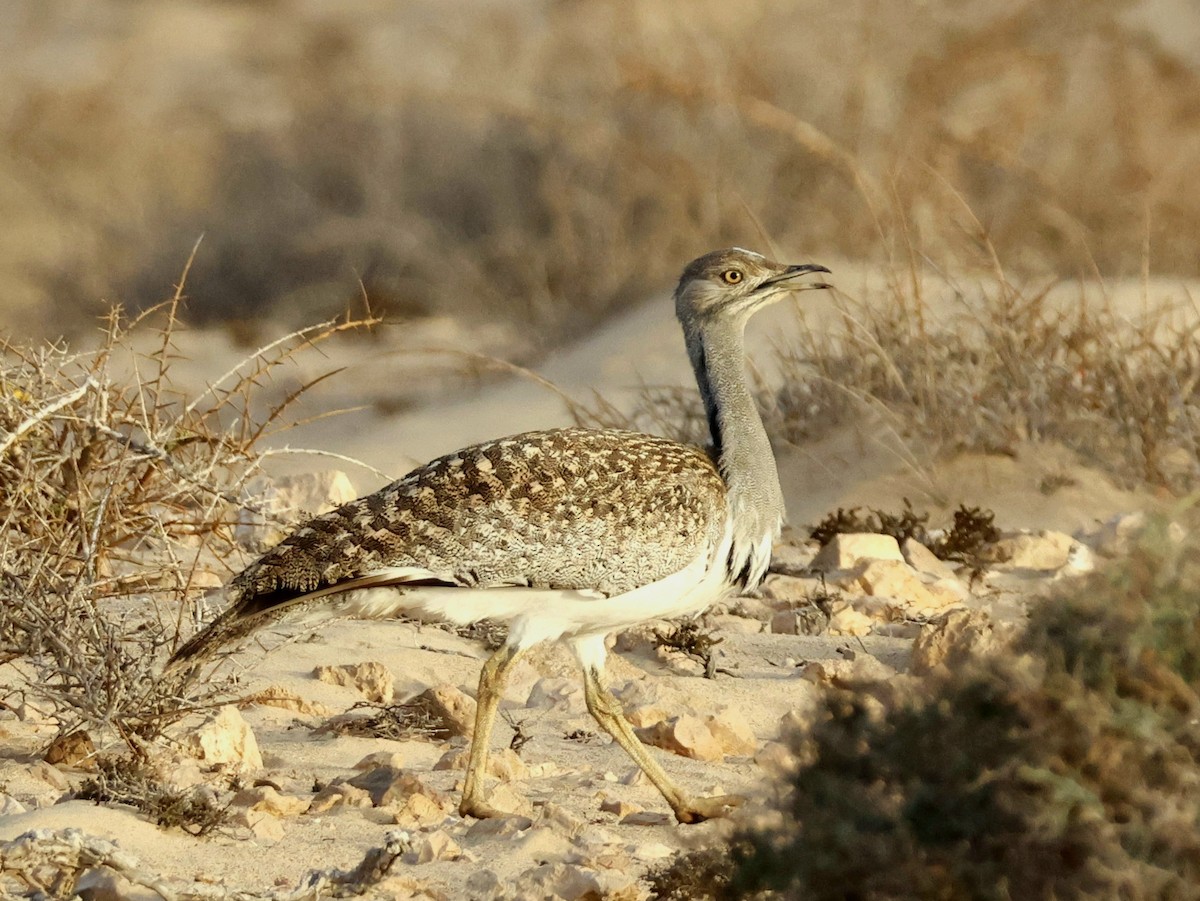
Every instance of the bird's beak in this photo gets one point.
(793, 272)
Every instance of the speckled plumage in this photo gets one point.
(565, 534)
(568, 508)
(598, 509)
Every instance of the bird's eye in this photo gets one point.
(732, 276)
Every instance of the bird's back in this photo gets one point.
(597, 509)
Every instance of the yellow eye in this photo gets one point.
(732, 276)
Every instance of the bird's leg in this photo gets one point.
(607, 712)
(491, 682)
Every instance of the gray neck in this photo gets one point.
(717, 351)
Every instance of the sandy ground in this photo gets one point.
(567, 779)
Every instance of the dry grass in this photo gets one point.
(1066, 769)
(545, 166)
(117, 510)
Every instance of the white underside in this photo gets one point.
(535, 615)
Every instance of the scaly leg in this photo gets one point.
(607, 712)
(491, 682)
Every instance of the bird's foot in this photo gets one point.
(697, 810)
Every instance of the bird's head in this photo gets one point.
(733, 284)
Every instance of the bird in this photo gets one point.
(564, 534)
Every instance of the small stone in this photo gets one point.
(417, 811)
(738, 625)
(372, 679)
(897, 580)
(266, 799)
(777, 759)
(552, 693)
(339, 794)
(648, 818)
(688, 736)
(498, 827)
(52, 776)
(75, 749)
(621, 808)
(561, 880)
(101, 884)
(849, 621)
(450, 706)
(956, 638)
(286, 699)
(387, 786)
(263, 825)
(859, 673)
(10, 806)
(845, 551)
(923, 560)
(1045, 550)
(225, 738)
(733, 733)
(505, 764)
(646, 715)
(438, 845)
(483, 884)
(377, 759)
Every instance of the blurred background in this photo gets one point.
(548, 162)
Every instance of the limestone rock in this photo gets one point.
(503, 763)
(10, 806)
(845, 551)
(688, 736)
(552, 693)
(621, 808)
(729, 622)
(225, 738)
(856, 673)
(450, 706)
(648, 818)
(896, 579)
(264, 825)
(75, 749)
(560, 880)
(923, 560)
(388, 786)
(339, 794)
(710, 738)
(381, 758)
(374, 680)
(498, 827)
(438, 845)
(733, 733)
(955, 638)
(417, 811)
(777, 759)
(1044, 550)
(849, 621)
(266, 799)
(286, 699)
(102, 884)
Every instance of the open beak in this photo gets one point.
(793, 272)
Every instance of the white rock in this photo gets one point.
(438, 845)
(452, 707)
(923, 560)
(897, 580)
(554, 693)
(844, 551)
(225, 738)
(956, 638)
(732, 732)
(560, 880)
(267, 800)
(374, 680)
(1044, 550)
(10, 806)
(688, 736)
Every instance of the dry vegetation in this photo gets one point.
(118, 504)
(1066, 769)
(548, 164)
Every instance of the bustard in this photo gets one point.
(568, 533)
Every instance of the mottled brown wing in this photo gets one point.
(569, 508)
